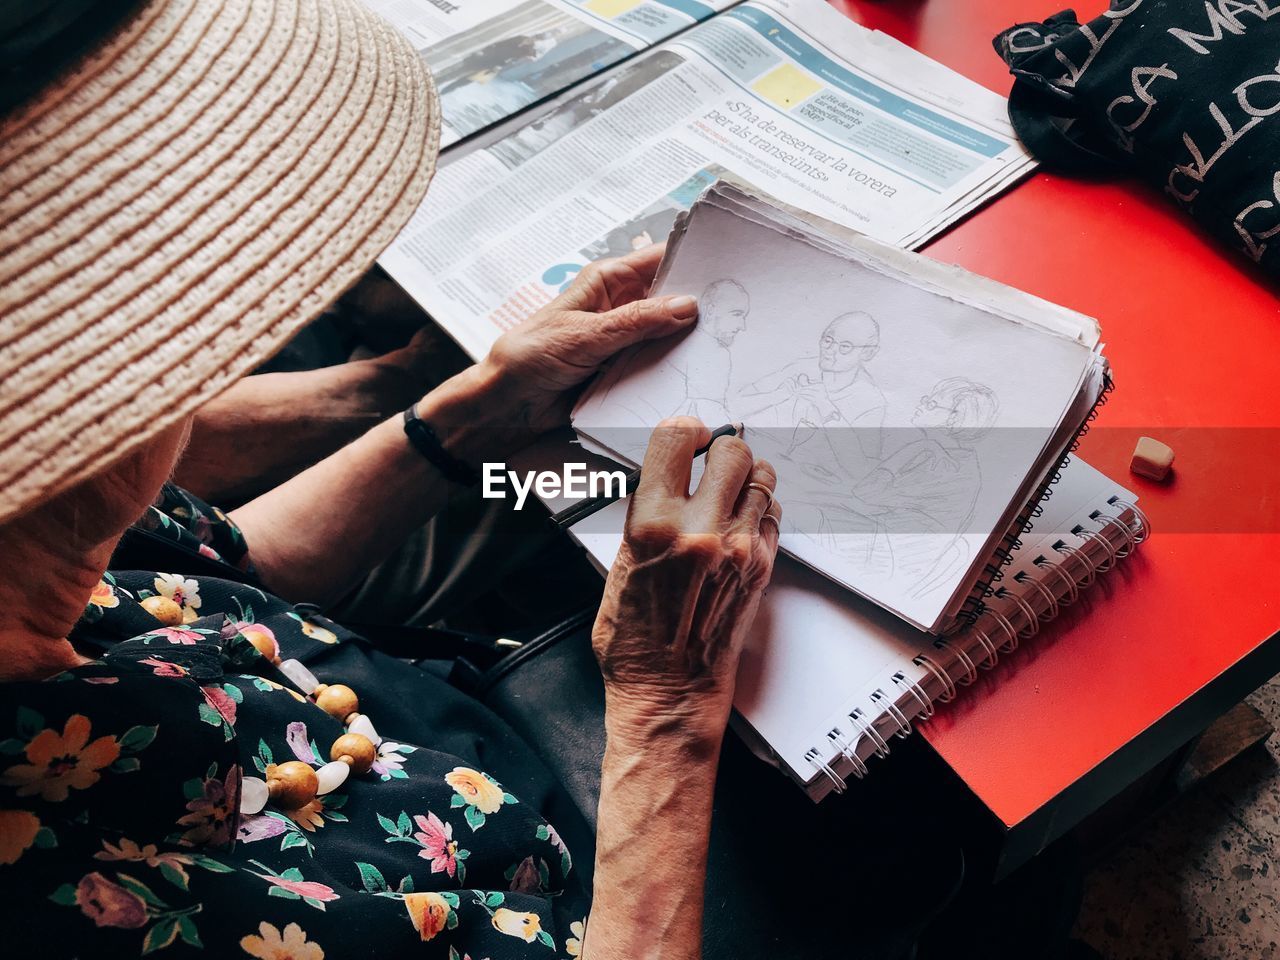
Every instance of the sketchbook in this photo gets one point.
(922, 422)
(828, 680)
(911, 410)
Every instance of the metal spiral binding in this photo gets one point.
(1011, 644)
(918, 692)
(1091, 572)
(993, 572)
(815, 757)
(961, 654)
(988, 647)
(1073, 591)
(1133, 533)
(1025, 608)
(849, 751)
(1096, 536)
(1144, 525)
(949, 689)
(891, 710)
(870, 732)
(1050, 601)
(1133, 537)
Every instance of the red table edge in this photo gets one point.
(960, 38)
(1138, 757)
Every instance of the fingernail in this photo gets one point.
(683, 308)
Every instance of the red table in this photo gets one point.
(1193, 335)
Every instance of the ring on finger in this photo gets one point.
(773, 519)
(763, 489)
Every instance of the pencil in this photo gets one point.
(585, 508)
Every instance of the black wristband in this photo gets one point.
(426, 442)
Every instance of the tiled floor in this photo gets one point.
(1200, 881)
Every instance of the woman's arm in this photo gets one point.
(677, 607)
(311, 537)
(269, 426)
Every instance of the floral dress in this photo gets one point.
(121, 830)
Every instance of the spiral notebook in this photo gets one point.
(829, 679)
(921, 422)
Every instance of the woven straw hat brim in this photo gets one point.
(200, 187)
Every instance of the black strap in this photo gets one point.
(426, 442)
(142, 549)
(1034, 116)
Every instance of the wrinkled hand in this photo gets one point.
(537, 367)
(684, 589)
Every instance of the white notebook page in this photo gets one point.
(838, 369)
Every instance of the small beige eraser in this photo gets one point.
(1151, 459)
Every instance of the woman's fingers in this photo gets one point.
(601, 335)
(771, 530)
(668, 461)
(757, 495)
(645, 260)
(729, 463)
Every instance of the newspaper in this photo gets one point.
(787, 97)
(494, 58)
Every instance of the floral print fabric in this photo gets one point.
(191, 523)
(120, 824)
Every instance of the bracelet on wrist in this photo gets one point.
(425, 441)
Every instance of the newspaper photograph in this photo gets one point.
(897, 147)
(493, 58)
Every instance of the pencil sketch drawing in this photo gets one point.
(832, 390)
(706, 369)
(696, 376)
(892, 501)
(906, 515)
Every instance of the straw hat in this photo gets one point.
(199, 185)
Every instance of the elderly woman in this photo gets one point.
(194, 761)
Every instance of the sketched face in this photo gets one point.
(723, 309)
(933, 412)
(848, 342)
(962, 408)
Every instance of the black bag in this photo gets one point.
(1184, 92)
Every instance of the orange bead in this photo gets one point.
(356, 750)
(262, 643)
(338, 701)
(292, 784)
(164, 609)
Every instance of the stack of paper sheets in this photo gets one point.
(912, 410)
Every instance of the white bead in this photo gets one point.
(253, 795)
(331, 776)
(301, 677)
(363, 725)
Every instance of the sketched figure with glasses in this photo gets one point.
(922, 496)
(836, 409)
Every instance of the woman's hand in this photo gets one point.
(684, 589)
(543, 361)
(384, 488)
(532, 375)
(679, 601)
